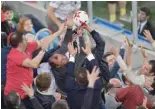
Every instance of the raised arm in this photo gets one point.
(149, 38)
(50, 38)
(100, 43)
(30, 92)
(129, 54)
(71, 65)
(52, 6)
(90, 59)
(119, 63)
(92, 77)
(48, 54)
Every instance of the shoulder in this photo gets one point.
(14, 53)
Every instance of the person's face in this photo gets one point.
(146, 68)
(142, 16)
(28, 26)
(60, 59)
(9, 15)
(110, 60)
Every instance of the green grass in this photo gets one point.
(100, 9)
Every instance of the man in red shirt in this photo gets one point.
(20, 63)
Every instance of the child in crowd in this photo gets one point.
(10, 16)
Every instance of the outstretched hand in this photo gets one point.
(143, 52)
(62, 28)
(28, 90)
(87, 49)
(148, 35)
(72, 51)
(93, 76)
(114, 50)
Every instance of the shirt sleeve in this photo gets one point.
(32, 46)
(55, 4)
(121, 63)
(19, 58)
(135, 78)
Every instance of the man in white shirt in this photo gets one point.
(60, 11)
(143, 22)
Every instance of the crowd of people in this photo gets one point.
(55, 67)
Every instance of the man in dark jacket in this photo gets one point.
(76, 85)
(143, 22)
(58, 61)
(98, 52)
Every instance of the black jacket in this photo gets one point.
(45, 100)
(98, 52)
(76, 92)
(150, 27)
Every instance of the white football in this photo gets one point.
(80, 18)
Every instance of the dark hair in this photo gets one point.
(7, 7)
(12, 100)
(107, 54)
(81, 76)
(152, 63)
(60, 104)
(146, 10)
(152, 92)
(43, 81)
(50, 61)
(15, 39)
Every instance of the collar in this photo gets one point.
(142, 23)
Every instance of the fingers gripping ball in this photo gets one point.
(80, 18)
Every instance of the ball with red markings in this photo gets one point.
(80, 18)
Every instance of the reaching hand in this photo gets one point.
(28, 90)
(87, 27)
(87, 49)
(61, 41)
(114, 50)
(143, 52)
(72, 51)
(62, 28)
(44, 46)
(93, 76)
(129, 43)
(69, 21)
(148, 35)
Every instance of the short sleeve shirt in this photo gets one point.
(16, 73)
(64, 8)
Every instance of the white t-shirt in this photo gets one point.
(135, 78)
(64, 8)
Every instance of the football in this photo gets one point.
(80, 18)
